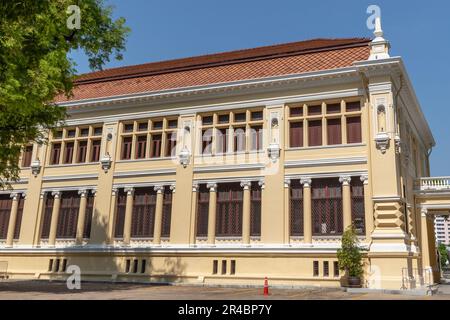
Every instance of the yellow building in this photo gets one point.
(230, 167)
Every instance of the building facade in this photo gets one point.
(228, 168)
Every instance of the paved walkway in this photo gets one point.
(32, 290)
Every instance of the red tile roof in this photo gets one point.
(263, 62)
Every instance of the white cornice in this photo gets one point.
(238, 167)
(140, 173)
(325, 162)
(325, 175)
(70, 177)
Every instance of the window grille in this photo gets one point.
(327, 212)
(255, 210)
(296, 134)
(167, 213)
(88, 216)
(315, 133)
(19, 218)
(155, 151)
(82, 151)
(143, 216)
(229, 210)
(68, 215)
(326, 268)
(5, 211)
(202, 211)
(315, 268)
(121, 203)
(68, 153)
(26, 156)
(334, 132)
(354, 130)
(358, 214)
(126, 148)
(296, 208)
(56, 152)
(47, 216)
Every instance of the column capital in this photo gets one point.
(246, 184)
(43, 195)
(345, 180)
(129, 191)
(306, 182)
(114, 191)
(287, 183)
(94, 192)
(364, 179)
(195, 187)
(159, 188)
(173, 187)
(15, 196)
(56, 194)
(83, 193)
(262, 184)
(424, 212)
(212, 186)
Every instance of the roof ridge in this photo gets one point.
(221, 58)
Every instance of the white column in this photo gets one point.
(12, 218)
(287, 211)
(81, 215)
(212, 212)
(158, 214)
(246, 212)
(346, 200)
(307, 212)
(55, 215)
(193, 220)
(368, 207)
(128, 216)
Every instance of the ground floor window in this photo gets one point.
(202, 210)
(88, 218)
(167, 213)
(121, 202)
(5, 211)
(296, 208)
(68, 215)
(358, 210)
(327, 211)
(255, 210)
(229, 210)
(47, 217)
(143, 217)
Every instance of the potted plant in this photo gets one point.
(350, 258)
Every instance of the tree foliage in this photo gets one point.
(443, 255)
(350, 254)
(34, 66)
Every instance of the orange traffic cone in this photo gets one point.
(266, 287)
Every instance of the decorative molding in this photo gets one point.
(159, 188)
(273, 151)
(144, 173)
(172, 188)
(114, 191)
(56, 194)
(382, 141)
(229, 179)
(195, 187)
(36, 167)
(212, 186)
(364, 179)
(326, 175)
(262, 184)
(184, 157)
(129, 190)
(15, 196)
(287, 182)
(345, 180)
(83, 193)
(70, 177)
(143, 184)
(322, 162)
(246, 184)
(231, 167)
(306, 182)
(106, 162)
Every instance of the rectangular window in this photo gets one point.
(143, 126)
(68, 153)
(353, 106)
(239, 117)
(255, 210)
(56, 153)
(128, 266)
(296, 135)
(143, 265)
(224, 118)
(334, 132)
(143, 216)
(354, 130)
(19, 219)
(82, 151)
(68, 215)
(206, 141)
(222, 141)
(64, 265)
(98, 131)
(71, 133)
(229, 210)
(121, 202)
(84, 132)
(239, 139)
(129, 127)
(167, 213)
(326, 269)
(215, 266)
(336, 268)
(155, 151)
(233, 267)
(256, 115)
(157, 125)
(315, 268)
(256, 138)
(171, 144)
(315, 133)
(135, 265)
(207, 120)
(126, 148)
(47, 217)
(314, 110)
(50, 265)
(202, 211)
(296, 208)
(141, 147)
(327, 212)
(296, 111)
(172, 124)
(95, 150)
(88, 219)
(57, 265)
(26, 156)
(334, 108)
(5, 211)
(224, 266)
(357, 203)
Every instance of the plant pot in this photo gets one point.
(354, 282)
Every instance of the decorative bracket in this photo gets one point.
(382, 141)
(36, 167)
(106, 162)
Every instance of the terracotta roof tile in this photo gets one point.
(286, 59)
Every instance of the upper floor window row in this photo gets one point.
(321, 124)
(232, 132)
(152, 138)
(76, 145)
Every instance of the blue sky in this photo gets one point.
(419, 31)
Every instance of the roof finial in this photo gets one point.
(378, 31)
(379, 47)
